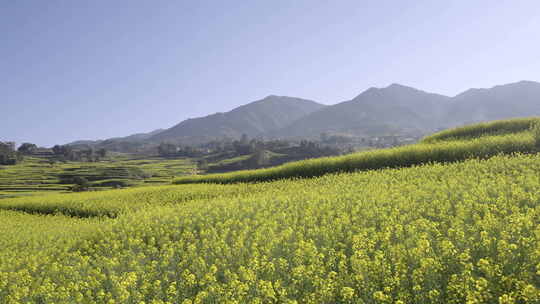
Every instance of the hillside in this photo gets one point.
(454, 233)
(476, 141)
(513, 100)
(394, 109)
(132, 138)
(448, 220)
(253, 119)
(36, 176)
(129, 143)
(402, 109)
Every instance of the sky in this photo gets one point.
(72, 70)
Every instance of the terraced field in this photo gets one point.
(38, 175)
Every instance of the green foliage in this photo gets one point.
(442, 233)
(27, 148)
(477, 141)
(167, 149)
(113, 183)
(404, 156)
(202, 164)
(34, 175)
(259, 158)
(8, 155)
(535, 130)
(498, 127)
(80, 184)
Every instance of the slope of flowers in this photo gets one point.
(498, 127)
(457, 233)
(113, 203)
(405, 156)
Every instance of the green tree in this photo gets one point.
(259, 159)
(535, 130)
(80, 184)
(202, 165)
(27, 148)
(244, 139)
(167, 149)
(102, 153)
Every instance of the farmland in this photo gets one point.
(36, 176)
(449, 232)
(476, 141)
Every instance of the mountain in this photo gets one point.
(253, 119)
(377, 111)
(396, 109)
(120, 144)
(500, 102)
(139, 136)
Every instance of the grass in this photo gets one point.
(113, 203)
(476, 141)
(238, 162)
(535, 130)
(498, 127)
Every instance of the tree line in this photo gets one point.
(65, 153)
(8, 154)
(11, 156)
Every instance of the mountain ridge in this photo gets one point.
(375, 108)
(253, 119)
(396, 108)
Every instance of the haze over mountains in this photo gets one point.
(253, 119)
(500, 102)
(395, 109)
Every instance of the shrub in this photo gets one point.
(81, 184)
(535, 130)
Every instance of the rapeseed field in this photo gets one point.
(465, 232)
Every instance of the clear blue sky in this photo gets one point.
(96, 69)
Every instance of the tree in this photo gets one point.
(535, 130)
(80, 184)
(324, 137)
(244, 139)
(167, 149)
(57, 150)
(4, 158)
(202, 165)
(63, 152)
(27, 148)
(102, 153)
(88, 154)
(259, 159)
(242, 148)
(8, 155)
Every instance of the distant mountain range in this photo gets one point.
(395, 109)
(500, 102)
(119, 143)
(254, 119)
